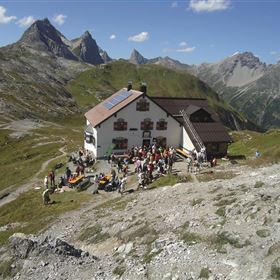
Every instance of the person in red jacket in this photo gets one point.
(52, 178)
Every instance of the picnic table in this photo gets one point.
(103, 181)
(76, 180)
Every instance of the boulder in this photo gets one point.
(21, 245)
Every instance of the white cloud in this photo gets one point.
(26, 21)
(187, 50)
(209, 5)
(141, 37)
(174, 4)
(3, 18)
(183, 44)
(273, 53)
(113, 37)
(60, 19)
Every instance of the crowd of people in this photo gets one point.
(148, 162)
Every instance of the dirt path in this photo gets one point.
(46, 163)
(34, 181)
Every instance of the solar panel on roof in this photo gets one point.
(117, 99)
(108, 105)
(113, 101)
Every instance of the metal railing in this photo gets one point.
(192, 131)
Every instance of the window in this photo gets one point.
(161, 124)
(89, 139)
(120, 143)
(120, 124)
(142, 105)
(147, 124)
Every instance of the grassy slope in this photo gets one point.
(21, 158)
(91, 86)
(27, 213)
(248, 142)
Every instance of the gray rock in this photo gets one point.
(128, 247)
(121, 248)
(21, 245)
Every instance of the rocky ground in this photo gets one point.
(220, 229)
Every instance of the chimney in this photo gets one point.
(143, 88)
(129, 85)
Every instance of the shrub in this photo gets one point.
(204, 272)
(275, 268)
(221, 211)
(263, 233)
(258, 184)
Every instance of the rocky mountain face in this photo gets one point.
(43, 36)
(104, 55)
(247, 84)
(260, 99)
(137, 58)
(86, 49)
(32, 84)
(236, 71)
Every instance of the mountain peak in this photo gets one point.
(45, 20)
(249, 59)
(43, 36)
(137, 58)
(86, 34)
(86, 49)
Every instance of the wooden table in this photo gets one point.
(75, 180)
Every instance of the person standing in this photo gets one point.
(68, 173)
(170, 164)
(52, 178)
(46, 182)
(46, 196)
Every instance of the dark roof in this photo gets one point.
(212, 132)
(100, 113)
(207, 131)
(175, 105)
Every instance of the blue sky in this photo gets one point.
(192, 31)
